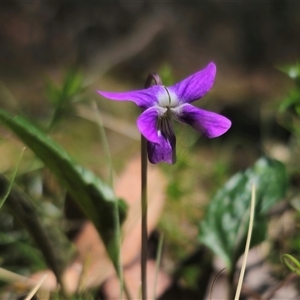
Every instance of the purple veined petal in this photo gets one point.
(209, 123)
(143, 98)
(147, 124)
(158, 130)
(195, 86)
(163, 152)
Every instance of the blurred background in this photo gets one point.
(114, 45)
(120, 42)
(127, 40)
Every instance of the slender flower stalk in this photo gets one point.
(144, 211)
(144, 202)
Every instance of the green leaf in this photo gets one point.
(94, 197)
(224, 228)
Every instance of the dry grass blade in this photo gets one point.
(22, 282)
(109, 122)
(36, 288)
(11, 277)
(252, 208)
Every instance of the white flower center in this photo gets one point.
(167, 106)
(167, 99)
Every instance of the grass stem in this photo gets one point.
(118, 237)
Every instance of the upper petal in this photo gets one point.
(195, 86)
(147, 124)
(209, 123)
(143, 98)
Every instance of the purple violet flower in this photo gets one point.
(162, 104)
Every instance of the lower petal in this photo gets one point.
(209, 123)
(147, 124)
(165, 151)
(159, 132)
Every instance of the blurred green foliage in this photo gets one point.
(225, 225)
(63, 96)
(166, 74)
(289, 107)
(95, 198)
(86, 190)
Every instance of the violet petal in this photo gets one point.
(147, 125)
(143, 98)
(209, 123)
(163, 152)
(195, 86)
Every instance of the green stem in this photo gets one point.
(144, 208)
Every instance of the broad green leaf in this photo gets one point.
(94, 197)
(224, 227)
